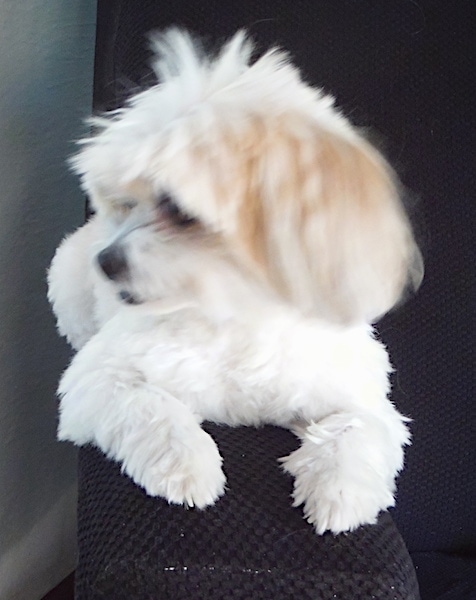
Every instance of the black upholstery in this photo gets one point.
(406, 70)
(251, 544)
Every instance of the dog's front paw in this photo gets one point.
(183, 473)
(339, 491)
(338, 506)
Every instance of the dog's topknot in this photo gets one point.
(179, 53)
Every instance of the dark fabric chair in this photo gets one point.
(406, 70)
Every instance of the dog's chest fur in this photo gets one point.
(247, 372)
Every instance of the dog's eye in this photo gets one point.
(171, 211)
(126, 206)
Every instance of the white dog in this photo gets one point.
(245, 238)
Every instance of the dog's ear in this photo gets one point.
(322, 221)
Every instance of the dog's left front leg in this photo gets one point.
(156, 437)
(346, 466)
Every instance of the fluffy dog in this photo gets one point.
(245, 239)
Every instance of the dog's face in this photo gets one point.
(230, 168)
(153, 245)
(153, 250)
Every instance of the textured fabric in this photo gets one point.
(251, 544)
(406, 69)
(446, 577)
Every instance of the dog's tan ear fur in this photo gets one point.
(320, 218)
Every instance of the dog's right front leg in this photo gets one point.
(157, 439)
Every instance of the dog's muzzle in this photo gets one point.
(113, 263)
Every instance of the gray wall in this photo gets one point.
(46, 70)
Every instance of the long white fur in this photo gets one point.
(216, 338)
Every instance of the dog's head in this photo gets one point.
(227, 165)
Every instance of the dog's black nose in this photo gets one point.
(112, 262)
